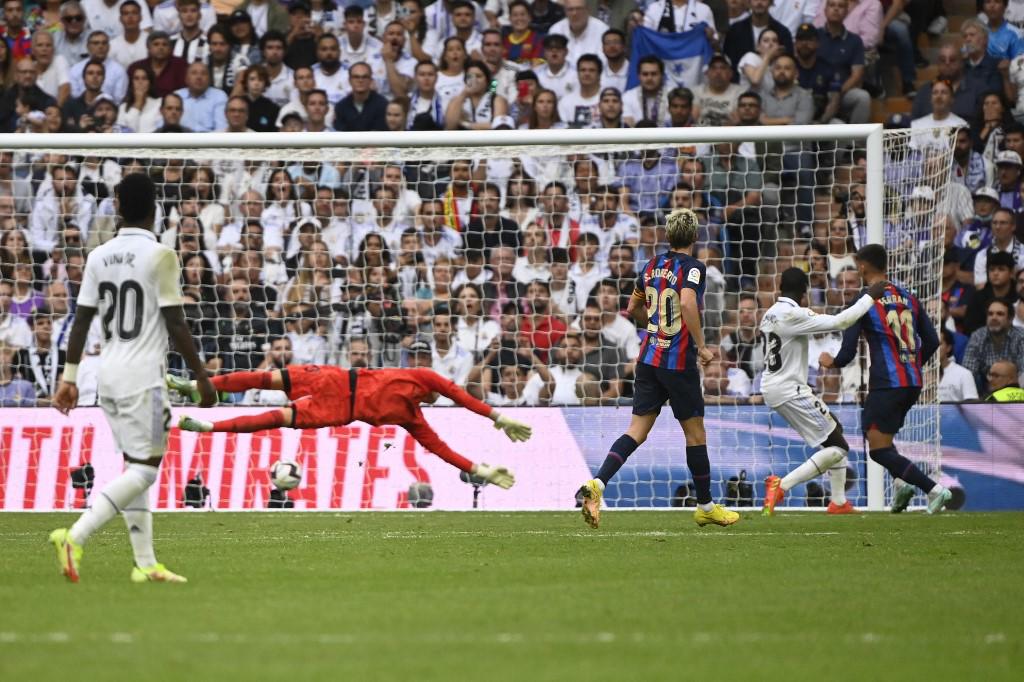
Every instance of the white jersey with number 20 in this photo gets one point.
(784, 331)
(128, 280)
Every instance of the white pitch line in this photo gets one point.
(463, 639)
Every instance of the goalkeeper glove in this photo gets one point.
(499, 476)
(516, 431)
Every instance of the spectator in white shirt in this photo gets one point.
(579, 109)
(956, 383)
(165, 17)
(449, 360)
(53, 68)
(140, 110)
(355, 45)
(583, 31)
(130, 46)
(105, 15)
(616, 65)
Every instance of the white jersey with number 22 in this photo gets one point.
(128, 280)
(784, 331)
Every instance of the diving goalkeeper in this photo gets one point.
(324, 395)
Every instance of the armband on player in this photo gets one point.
(70, 373)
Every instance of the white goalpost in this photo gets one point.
(365, 246)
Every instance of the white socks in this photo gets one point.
(118, 494)
(837, 481)
(819, 463)
(936, 491)
(139, 521)
(707, 507)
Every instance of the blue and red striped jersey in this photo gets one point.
(900, 337)
(667, 343)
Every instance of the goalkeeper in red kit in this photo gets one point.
(324, 395)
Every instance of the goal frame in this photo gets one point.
(871, 135)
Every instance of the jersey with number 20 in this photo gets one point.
(128, 280)
(667, 343)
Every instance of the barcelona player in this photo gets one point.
(901, 339)
(666, 303)
(324, 395)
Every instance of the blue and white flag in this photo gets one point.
(684, 54)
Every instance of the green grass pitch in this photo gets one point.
(489, 596)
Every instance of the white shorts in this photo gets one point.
(140, 422)
(808, 416)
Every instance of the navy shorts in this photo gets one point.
(654, 386)
(885, 410)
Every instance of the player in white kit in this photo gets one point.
(785, 328)
(133, 282)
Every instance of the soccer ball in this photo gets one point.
(285, 475)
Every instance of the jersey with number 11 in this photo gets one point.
(667, 343)
(128, 280)
(900, 337)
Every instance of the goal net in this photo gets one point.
(502, 259)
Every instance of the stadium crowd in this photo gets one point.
(509, 276)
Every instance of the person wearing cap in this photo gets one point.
(1004, 224)
(243, 38)
(130, 46)
(925, 136)
(609, 110)
(976, 235)
(844, 50)
(165, 16)
(1008, 179)
(816, 75)
(168, 69)
(105, 15)
(744, 34)
(582, 31)
(116, 79)
(419, 353)
(266, 15)
(715, 100)
(555, 74)
(104, 116)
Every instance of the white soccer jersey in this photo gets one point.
(785, 329)
(128, 280)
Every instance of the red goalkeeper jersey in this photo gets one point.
(323, 396)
